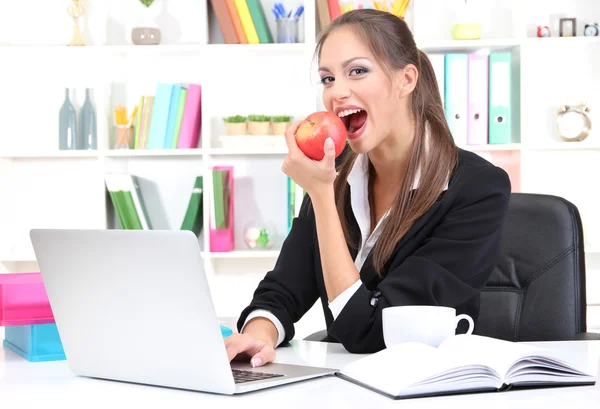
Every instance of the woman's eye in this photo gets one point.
(358, 71)
(325, 80)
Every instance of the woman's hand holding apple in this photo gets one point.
(313, 144)
(315, 177)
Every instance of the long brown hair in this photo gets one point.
(392, 43)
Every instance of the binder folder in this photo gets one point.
(500, 100)
(477, 133)
(456, 96)
(221, 210)
(438, 64)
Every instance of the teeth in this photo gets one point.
(347, 112)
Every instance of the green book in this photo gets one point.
(118, 209)
(260, 22)
(193, 216)
(179, 118)
(218, 199)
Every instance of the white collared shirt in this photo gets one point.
(358, 179)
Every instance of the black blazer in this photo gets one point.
(444, 259)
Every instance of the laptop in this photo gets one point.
(135, 306)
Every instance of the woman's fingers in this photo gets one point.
(248, 346)
(264, 355)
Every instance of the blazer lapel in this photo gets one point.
(368, 274)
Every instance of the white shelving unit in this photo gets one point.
(43, 187)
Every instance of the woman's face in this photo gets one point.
(356, 88)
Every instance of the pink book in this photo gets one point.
(189, 134)
(477, 111)
(23, 300)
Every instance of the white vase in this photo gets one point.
(146, 31)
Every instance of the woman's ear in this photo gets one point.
(407, 79)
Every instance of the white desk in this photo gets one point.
(51, 384)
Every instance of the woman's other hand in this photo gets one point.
(256, 342)
(313, 176)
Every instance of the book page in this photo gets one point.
(407, 365)
(497, 354)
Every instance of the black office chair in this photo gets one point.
(537, 291)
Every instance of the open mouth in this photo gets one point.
(354, 119)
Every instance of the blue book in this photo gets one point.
(161, 107)
(172, 119)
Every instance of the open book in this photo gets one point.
(467, 363)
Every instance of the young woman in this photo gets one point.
(405, 218)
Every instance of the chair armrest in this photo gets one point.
(319, 336)
(586, 336)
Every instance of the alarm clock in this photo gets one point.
(591, 30)
(543, 31)
(573, 122)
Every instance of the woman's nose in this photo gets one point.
(341, 90)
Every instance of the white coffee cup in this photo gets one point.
(421, 323)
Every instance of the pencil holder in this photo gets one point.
(287, 30)
(124, 137)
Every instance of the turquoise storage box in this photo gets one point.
(36, 343)
(225, 331)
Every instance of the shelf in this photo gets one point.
(50, 154)
(242, 254)
(445, 46)
(243, 151)
(562, 146)
(152, 152)
(257, 49)
(192, 50)
(486, 148)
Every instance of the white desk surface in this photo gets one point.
(45, 385)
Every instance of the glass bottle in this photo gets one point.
(87, 121)
(67, 129)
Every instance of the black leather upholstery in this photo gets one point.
(537, 292)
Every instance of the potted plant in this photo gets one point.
(259, 124)
(146, 31)
(235, 125)
(280, 123)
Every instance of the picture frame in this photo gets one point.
(567, 27)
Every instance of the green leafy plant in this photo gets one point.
(147, 3)
(281, 118)
(235, 118)
(259, 118)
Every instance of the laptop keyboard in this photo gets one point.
(242, 376)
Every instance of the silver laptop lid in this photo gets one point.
(134, 305)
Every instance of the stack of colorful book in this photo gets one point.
(242, 21)
(170, 119)
(30, 330)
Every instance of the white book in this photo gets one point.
(466, 363)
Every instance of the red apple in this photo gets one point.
(315, 129)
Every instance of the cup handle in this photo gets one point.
(469, 319)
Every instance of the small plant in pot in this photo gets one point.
(146, 31)
(280, 123)
(235, 125)
(259, 124)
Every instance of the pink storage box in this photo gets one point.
(23, 300)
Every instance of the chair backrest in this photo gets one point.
(537, 291)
